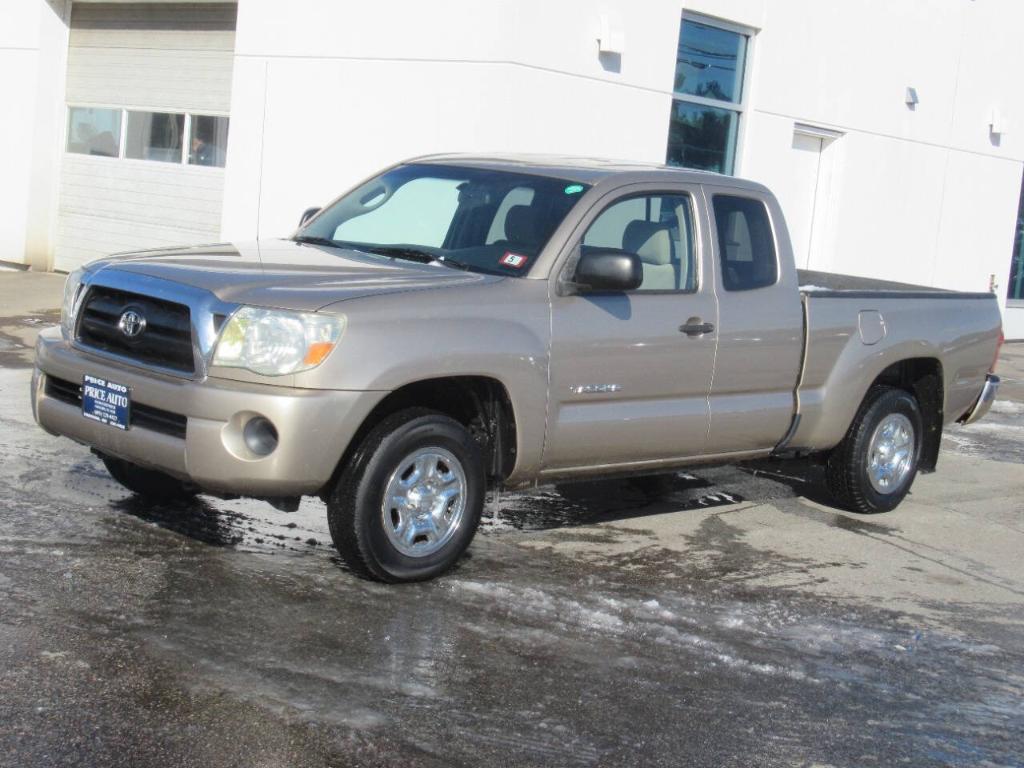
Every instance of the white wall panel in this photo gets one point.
(1013, 323)
(197, 81)
(109, 205)
(317, 141)
(974, 240)
(18, 93)
(171, 57)
(33, 40)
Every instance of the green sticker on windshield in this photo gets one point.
(574, 189)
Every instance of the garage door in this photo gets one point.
(148, 100)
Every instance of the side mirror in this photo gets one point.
(608, 269)
(308, 214)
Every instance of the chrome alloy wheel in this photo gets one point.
(425, 502)
(891, 453)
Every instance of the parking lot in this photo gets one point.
(736, 619)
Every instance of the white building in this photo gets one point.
(893, 132)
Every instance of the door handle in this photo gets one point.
(694, 327)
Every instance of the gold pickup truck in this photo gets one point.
(456, 323)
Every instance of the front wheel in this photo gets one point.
(408, 504)
(875, 465)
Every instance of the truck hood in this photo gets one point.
(286, 274)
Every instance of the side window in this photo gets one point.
(658, 229)
(745, 243)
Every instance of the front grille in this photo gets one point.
(141, 416)
(165, 342)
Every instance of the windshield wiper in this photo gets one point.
(391, 251)
(448, 261)
(316, 240)
(415, 254)
(398, 252)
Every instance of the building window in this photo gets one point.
(708, 96)
(152, 136)
(209, 140)
(1015, 290)
(94, 131)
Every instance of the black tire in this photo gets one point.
(355, 506)
(848, 463)
(148, 483)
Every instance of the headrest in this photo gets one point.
(649, 240)
(522, 225)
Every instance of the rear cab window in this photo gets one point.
(746, 243)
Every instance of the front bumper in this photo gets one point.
(984, 402)
(314, 426)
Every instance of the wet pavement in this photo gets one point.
(728, 618)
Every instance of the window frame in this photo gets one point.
(569, 271)
(1017, 260)
(717, 246)
(121, 156)
(740, 108)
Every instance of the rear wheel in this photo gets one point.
(149, 483)
(875, 465)
(409, 502)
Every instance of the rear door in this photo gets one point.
(760, 323)
(628, 386)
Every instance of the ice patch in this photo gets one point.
(994, 428)
(1008, 407)
(634, 619)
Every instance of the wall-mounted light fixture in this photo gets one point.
(610, 38)
(997, 125)
(911, 99)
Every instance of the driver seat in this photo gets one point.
(652, 242)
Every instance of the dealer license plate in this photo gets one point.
(106, 401)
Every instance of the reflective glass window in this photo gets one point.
(94, 131)
(208, 143)
(702, 137)
(707, 103)
(1015, 290)
(154, 136)
(709, 62)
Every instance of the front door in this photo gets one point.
(631, 372)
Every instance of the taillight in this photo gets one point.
(999, 346)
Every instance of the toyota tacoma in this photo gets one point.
(459, 323)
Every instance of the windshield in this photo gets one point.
(476, 219)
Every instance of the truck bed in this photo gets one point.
(827, 284)
(857, 327)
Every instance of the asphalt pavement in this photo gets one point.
(733, 619)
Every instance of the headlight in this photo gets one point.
(273, 342)
(69, 306)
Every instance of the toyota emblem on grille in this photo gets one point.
(131, 324)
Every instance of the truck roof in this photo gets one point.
(588, 170)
